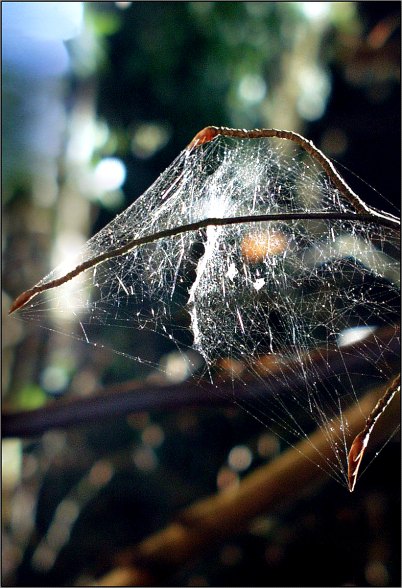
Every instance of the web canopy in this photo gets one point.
(258, 299)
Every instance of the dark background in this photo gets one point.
(178, 66)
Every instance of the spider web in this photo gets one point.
(259, 301)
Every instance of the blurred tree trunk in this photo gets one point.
(279, 483)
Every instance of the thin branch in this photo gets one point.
(359, 445)
(364, 212)
(365, 217)
(131, 396)
(209, 133)
(209, 521)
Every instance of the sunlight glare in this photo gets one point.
(315, 10)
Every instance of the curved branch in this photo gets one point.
(365, 217)
(209, 521)
(209, 133)
(359, 445)
(363, 212)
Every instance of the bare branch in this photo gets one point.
(359, 445)
(209, 133)
(198, 528)
(363, 212)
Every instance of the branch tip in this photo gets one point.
(22, 300)
(355, 457)
(204, 136)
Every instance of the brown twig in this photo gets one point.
(210, 520)
(26, 296)
(359, 445)
(363, 212)
(209, 133)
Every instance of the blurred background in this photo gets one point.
(98, 98)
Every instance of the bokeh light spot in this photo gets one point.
(240, 458)
(110, 173)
